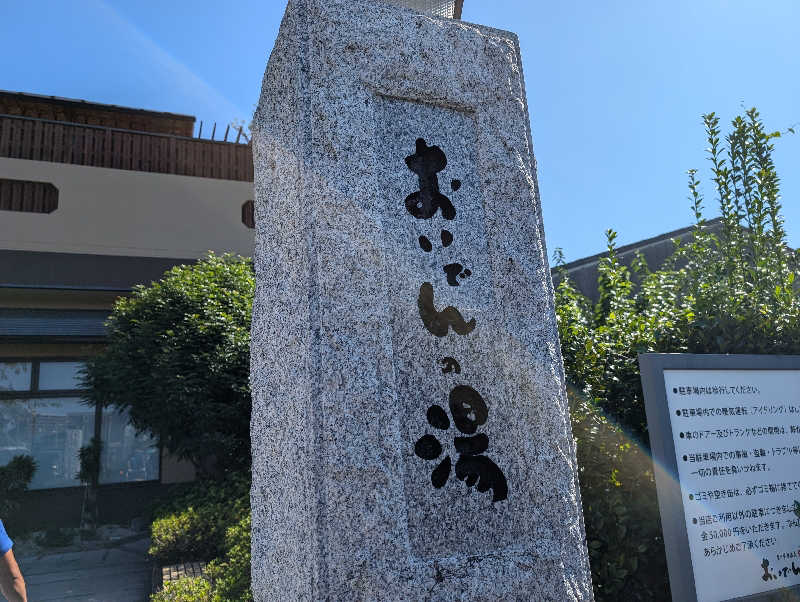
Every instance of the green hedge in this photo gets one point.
(206, 521)
(193, 524)
(188, 589)
(230, 575)
(729, 292)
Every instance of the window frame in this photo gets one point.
(35, 393)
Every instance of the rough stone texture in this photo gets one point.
(344, 370)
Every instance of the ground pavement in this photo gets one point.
(118, 573)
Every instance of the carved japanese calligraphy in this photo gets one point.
(426, 245)
(468, 408)
(437, 417)
(439, 323)
(427, 162)
(486, 474)
(450, 364)
(469, 411)
(454, 271)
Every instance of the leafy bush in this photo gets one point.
(178, 358)
(620, 508)
(89, 456)
(207, 521)
(188, 589)
(193, 525)
(226, 579)
(14, 480)
(230, 575)
(728, 293)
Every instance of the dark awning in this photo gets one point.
(53, 324)
(71, 271)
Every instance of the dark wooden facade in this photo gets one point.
(97, 146)
(71, 110)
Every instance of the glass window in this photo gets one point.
(50, 430)
(127, 456)
(53, 429)
(15, 376)
(59, 376)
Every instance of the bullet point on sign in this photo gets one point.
(682, 435)
(677, 412)
(675, 389)
(694, 520)
(685, 458)
(691, 496)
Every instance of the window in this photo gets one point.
(126, 456)
(15, 377)
(59, 376)
(42, 414)
(249, 214)
(52, 430)
(28, 197)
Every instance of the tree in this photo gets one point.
(733, 292)
(178, 359)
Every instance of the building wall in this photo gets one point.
(174, 470)
(113, 227)
(61, 508)
(79, 111)
(116, 212)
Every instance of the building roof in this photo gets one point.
(642, 244)
(136, 141)
(77, 102)
(583, 272)
(72, 110)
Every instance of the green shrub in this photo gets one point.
(620, 508)
(89, 456)
(732, 292)
(230, 575)
(186, 536)
(207, 520)
(193, 524)
(227, 579)
(178, 358)
(188, 589)
(14, 480)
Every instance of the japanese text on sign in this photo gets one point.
(737, 444)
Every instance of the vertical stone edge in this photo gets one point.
(283, 494)
(581, 570)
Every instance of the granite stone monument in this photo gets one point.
(410, 429)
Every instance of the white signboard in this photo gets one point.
(736, 436)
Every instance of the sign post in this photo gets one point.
(410, 427)
(725, 438)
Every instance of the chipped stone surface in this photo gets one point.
(410, 431)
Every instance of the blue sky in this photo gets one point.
(616, 89)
